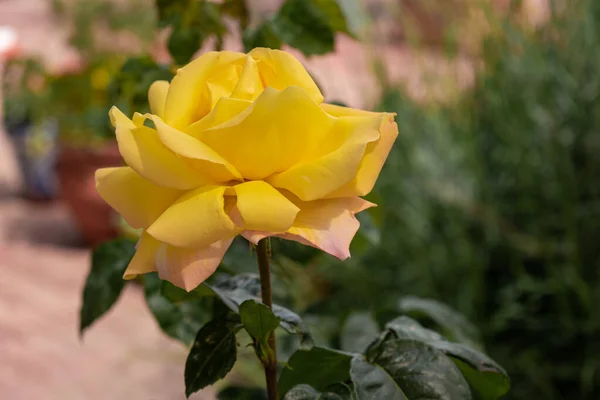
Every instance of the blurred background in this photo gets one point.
(489, 200)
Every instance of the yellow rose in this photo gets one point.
(241, 145)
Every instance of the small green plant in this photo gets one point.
(80, 99)
(403, 360)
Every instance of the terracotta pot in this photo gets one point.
(76, 168)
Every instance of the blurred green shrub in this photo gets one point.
(308, 25)
(493, 205)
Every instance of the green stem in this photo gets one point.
(264, 268)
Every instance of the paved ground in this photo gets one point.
(123, 356)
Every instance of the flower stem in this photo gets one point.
(264, 268)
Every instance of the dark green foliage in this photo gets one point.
(452, 324)
(358, 331)
(260, 322)
(183, 43)
(212, 355)
(240, 288)
(306, 392)
(237, 9)
(491, 204)
(242, 393)
(258, 319)
(263, 35)
(318, 367)
(178, 319)
(105, 280)
(308, 25)
(129, 87)
(486, 378)
(406, 369)
(192, 22)
(177, 295)
(405, 362)
(305, 25)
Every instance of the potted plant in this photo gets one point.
(80, 102)
(32, 132)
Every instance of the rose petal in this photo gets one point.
(143, 151)
(280, 70)
(187, 100)
(222, 82)
(315, 178)
(249, 85)
(262, 207)
(328, 225)
(138, 200)
(225, 110)
(144, 260)
(208, 162)
(375, 154)
(271, 135)
(157, 97)
(188, 268)
(195, 220)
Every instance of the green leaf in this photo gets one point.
(208, 19)
(451, 324)
(237, 9)
(306, 392)
(258, 319)
(183, 43)
(487, 379)
(304, 25)
(263, 35)
(212, 355)
(242, 393)
(105, 280)
(237, 289)
(336, 15)
(358, 331)
(177, 295)
(373, 382)
(169, 11)
(130, 85)
(407, 328)
(408, 369)
(318, 367)
(192, 22)
(180, 321)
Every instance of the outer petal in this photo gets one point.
(143, 151)
(144, 259)
(315, 178)
(263, 208)
(187, 268)
(210, 164)
(196, 220)
(157, 97)
(271, 135)
(280, 70)
(187, 100)
(328, 225)
(375, 154)
(138, 200)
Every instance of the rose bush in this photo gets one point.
(241, 144)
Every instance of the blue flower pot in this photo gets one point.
(37, 151)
